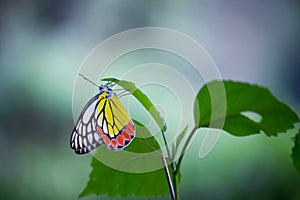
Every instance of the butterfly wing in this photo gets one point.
(114, 125)
(84, 137)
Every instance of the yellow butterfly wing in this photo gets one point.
(114, 125)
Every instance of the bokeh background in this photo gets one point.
(43, 43)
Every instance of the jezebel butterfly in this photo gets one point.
(103, 121)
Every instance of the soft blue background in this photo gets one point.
(43, 43)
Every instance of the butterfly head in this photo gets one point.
(106, 89)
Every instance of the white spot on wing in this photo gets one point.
(84, 142)
(73, 135)
(94, 125)
(105, 127)
(89, 128)
(96, 136)
(75, 141)
(83, 130)
(80, 142)
(79, 128)
(88, 112)
(90, 138)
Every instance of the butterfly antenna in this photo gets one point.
(85, 78)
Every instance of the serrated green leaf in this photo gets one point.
(242, 97)
(142, 98)
(296, 152)
(111, 182)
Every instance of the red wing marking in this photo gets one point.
(114, 143)
(130, 128)
(120, 140)
(125, 135)
(106, 140)
(99, 131)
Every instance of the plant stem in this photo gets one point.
(186, 144)
(175, 185)
(171, 181)
(173, 196)
(166, 143)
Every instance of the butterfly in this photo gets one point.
(103, 121)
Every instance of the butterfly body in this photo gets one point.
(103, 121)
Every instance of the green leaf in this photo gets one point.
(181, 136)
(142, 98)
(241, 97)
(296, 152)
(112, 182)
(175, 146)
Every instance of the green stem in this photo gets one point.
(169, 179)
(176, 168)
(186, 144)
(175, 185)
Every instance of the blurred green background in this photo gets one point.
(43, 43)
